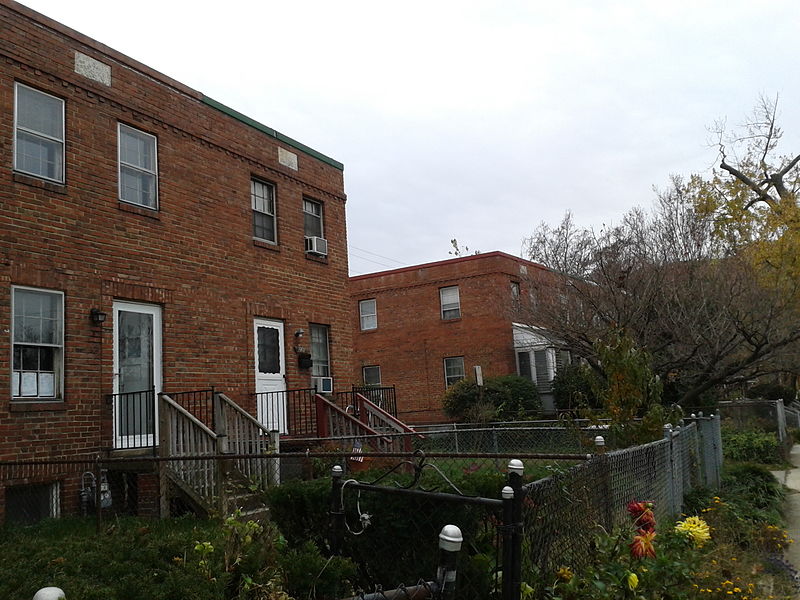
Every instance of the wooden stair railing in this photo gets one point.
(378, 419)
(185, 440)
(335, 422)
(247, 436)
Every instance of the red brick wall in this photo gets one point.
(195, 256)
(412, 341)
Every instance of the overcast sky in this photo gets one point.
(474, 120)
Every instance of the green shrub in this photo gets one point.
(506, 397)
(754, 446)
(572, 388)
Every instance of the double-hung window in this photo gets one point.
(451, 304)
(38, 344)
(38, 134)
(138, 167)
(368, 314)
(320, 351)
(453, 370)
(262, 196)
(312, 218)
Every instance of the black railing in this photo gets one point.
(291, 412)
(134, 419)
(384, 397)
(200, 403)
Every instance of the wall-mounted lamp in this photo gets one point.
(98, 316)
(299, 333)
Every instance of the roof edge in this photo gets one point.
(134, 64)
(448, 261)
(270, 132)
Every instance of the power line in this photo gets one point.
(399, 262)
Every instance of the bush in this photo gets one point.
(754, 446)
(572, 388)
(506, 397)
(772, 391)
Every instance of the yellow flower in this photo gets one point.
(565, 574)
(633, 581)
(696, 529)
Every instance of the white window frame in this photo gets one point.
(377, 368)
(321, 366)
(261, 205)
(315, 206)
(122, 127)
(451, 379)
(367, 319)
(450, 306)
(38, 134)
(58, 358)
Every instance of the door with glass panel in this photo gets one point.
(137, 373)
(270, 367)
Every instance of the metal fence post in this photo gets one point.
(98, 477)
(275, 463)
(605, 473)
(515, 471)
(336, 510)
(670, 487)
(450, 540)
(508, 520)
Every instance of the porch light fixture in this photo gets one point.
(98, 316)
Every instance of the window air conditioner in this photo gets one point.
(323, 385)
(317, 245)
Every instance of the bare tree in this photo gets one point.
(701, 309)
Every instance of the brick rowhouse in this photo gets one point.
(413, 338)
(67, 236)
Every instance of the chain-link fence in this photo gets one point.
(562, 512)
(571, 486)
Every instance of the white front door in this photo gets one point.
(270, 367)
(137, 373)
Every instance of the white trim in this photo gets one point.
(62, 141)
(154, 172)
(59, 396)
(155, 311)
(280, 409)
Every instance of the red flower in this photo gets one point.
(643, 517)
(642, 544)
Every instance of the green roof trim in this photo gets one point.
(271, 132)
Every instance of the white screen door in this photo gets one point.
(270, 368)
(137, 373)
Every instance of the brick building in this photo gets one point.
(424, 327)
(150, 239)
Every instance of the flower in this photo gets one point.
(642, 515)
(633, 581)
(642, 544)
(696, 529)
(565, 574)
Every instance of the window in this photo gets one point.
(263, 199)
(515, 290)
(371, 375)
(320, 351)
(39, 134)
(138, 179)
(29, 504)
(453, 370)
(312, 218)
(37, 334)
(368, 312)
(451, 304)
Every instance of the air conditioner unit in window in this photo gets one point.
(317, 245)
(323, 385)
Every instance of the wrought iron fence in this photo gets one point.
(384, 397)
(134, 415)
(200, 403)
(291, 412)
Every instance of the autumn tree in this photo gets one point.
(671, 283)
